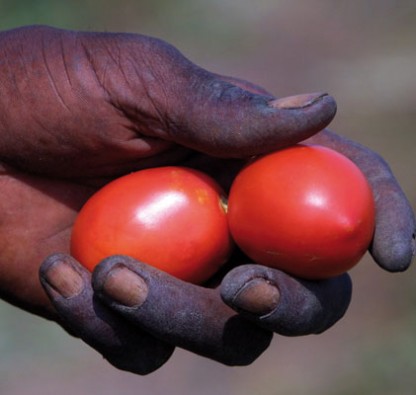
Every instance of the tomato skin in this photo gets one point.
(306, 210)
(169, 217)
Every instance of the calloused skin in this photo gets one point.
(79, 109)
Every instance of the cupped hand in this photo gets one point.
(79, 109)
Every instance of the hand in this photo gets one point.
(79, 109)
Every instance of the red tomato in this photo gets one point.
(172, 218)
(306, 210)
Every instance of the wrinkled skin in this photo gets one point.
(79, 109)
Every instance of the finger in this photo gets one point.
(180, 313)
(393, 246)
(283, 304)
(227, 121)
(68, 285)
(185, 104)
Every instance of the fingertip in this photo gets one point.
(250, 289)
(103, 269)
(50, 261)
(259, 296)
(397, 258)
(237, 123)
(61, 276)
(124, 287)
(295, 307)
(394, 245)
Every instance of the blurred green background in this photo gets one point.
(364, 54)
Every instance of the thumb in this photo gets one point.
(229, 119)
(172, 99)
(169, 98)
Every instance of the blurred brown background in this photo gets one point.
(364, 54)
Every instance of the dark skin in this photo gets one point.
(79, 109)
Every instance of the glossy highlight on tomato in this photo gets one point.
(307, 210)
(172, 218)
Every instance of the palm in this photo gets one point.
(36, 219)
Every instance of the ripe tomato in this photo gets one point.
(172, 218)
(307, 210)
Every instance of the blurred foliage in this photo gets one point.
(361, 51)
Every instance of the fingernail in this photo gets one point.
(125, 287)
(258, 296)
(297, 101)
(64, 279)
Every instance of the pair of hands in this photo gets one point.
(79, 109)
